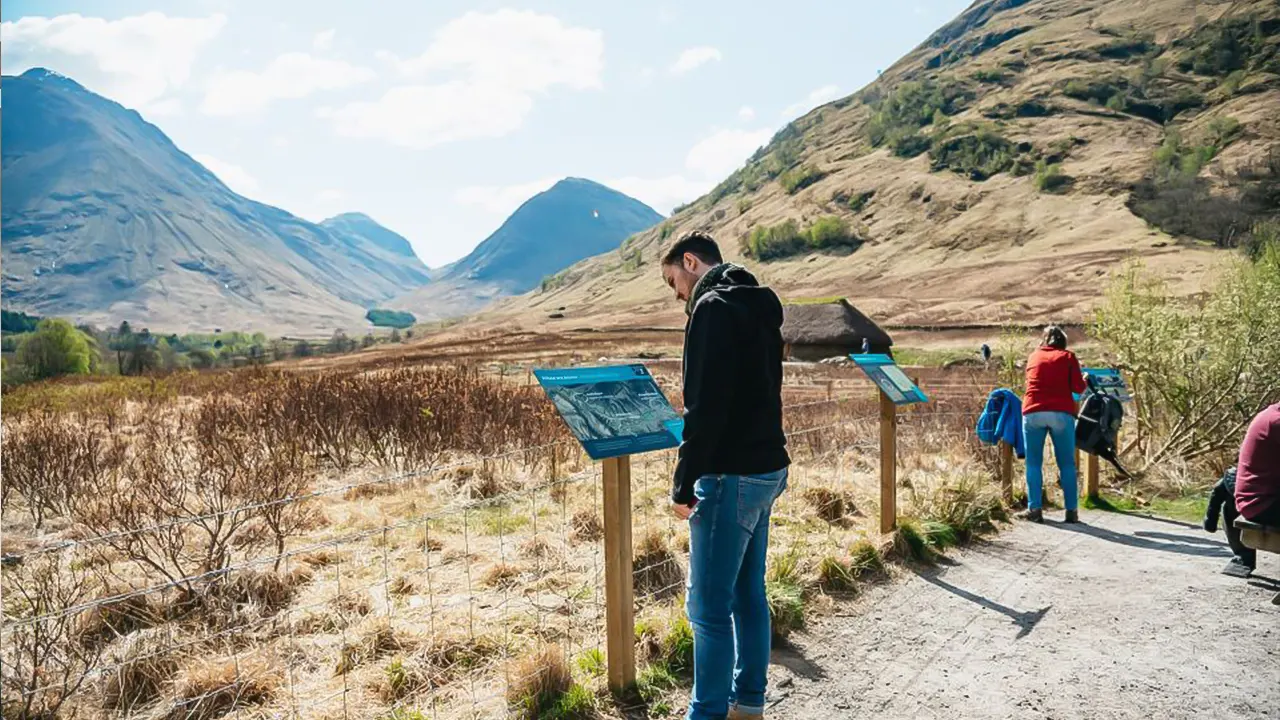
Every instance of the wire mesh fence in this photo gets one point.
(454, 589)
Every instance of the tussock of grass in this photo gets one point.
(375, 640)
(865, 559)
(658, 574)
(445, 660)
(910, 542)
(215, 688)
(105, 622)
(535, 547)
(142, 668)
(538, 681)
(836, 576)
(592, 663)
(586, 526)
(501, 576)
(786, 593)
(832, 506)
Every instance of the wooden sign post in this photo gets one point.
(888, 464)
(1006, 471)
(618, 581)
(1091, 475)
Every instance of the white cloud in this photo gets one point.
(501, 200)
(330, 196)
(169, 107)
(323, 40)
(290, 76)
(824, 94)
(724, 151)
(231, 175)
(484, 72)
(134, 60)
(662, 193)
(694, 57)
(746, 113)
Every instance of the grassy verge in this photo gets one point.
(1190, 509)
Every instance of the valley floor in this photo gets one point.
(1121, 617)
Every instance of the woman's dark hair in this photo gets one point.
(1055, 337)
(697, 242)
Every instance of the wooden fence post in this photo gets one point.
(888, 465)
(619, 591)
(1006, 471)
(1091, 475)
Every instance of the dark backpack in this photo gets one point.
(1097, 426)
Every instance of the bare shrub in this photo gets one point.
(51, 461)
(43, 665)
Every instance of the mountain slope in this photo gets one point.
(105, 219)
(574, 219)
(999, 172)
(381, 250)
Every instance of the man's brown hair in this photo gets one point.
(697, 242)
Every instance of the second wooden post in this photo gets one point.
(1006, 471)
(888, 465)
(619, 592)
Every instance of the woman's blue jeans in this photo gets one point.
(728, 544)
(1062, 428)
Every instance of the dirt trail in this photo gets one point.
(1122, 617)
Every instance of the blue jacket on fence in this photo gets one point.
(1001, 419)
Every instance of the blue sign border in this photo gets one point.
(874, 366)
(602, 448)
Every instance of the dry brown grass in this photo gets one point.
(538, 679)
(833, 506)
(657, 573)
(502, 576)
(144, 665)
(375, 639)
(210, 689)
(587, 526)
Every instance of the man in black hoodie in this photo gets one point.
(732, 467)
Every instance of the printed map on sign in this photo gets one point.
(1107, 381)
(614, 410)
(889, 378)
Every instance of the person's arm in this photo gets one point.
(1078, 384)
(709, 359)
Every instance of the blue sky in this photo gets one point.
(438, 119)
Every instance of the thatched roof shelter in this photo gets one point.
(820, 330)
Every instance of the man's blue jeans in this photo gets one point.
(728, 543)
(1062, 428)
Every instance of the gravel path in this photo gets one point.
(1121, 617)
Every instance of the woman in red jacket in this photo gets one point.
(1049, 408)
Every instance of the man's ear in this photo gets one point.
(690, 262)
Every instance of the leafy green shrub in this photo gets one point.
(831, 232)
(771, 242)
(993, 77)
(909, 146)
(744, 205)
(56, 348)
(775, 241)
(858, 202)
(381, 317)
(1091, 90)
(1202, 368)
(1231, 44)
(1049, 177)
(800, 178)
(978, 155)
(912, 105)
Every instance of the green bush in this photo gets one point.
(381, 317)
(978, 155)
(993, 77)
(56, 348)
(911, 106)
(771, 242)
(858, 202)
(775, 241)
(909, 146)
(794, 181)
(1049, 177)
(1229, 45)
(1201, 368)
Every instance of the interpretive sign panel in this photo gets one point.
(889, 378)
(1107, 381)
(613, 410)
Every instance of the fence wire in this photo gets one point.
(431, 610)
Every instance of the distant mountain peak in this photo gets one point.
(39, 74)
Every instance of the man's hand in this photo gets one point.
(682, 511)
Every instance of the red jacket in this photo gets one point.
(1052, 376)
(1258, 475)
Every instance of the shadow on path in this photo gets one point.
(1188, 539)
(792, 658)
(1181, 547)
(1026, 621)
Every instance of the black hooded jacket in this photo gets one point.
(732, 381)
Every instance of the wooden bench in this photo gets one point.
(1260, 537)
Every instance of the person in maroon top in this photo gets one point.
(1049, 409)
(1258, 472)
